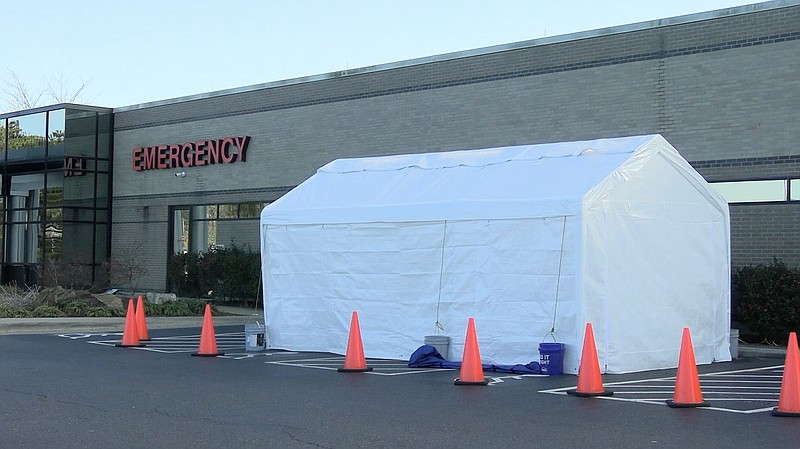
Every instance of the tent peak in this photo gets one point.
(484, 157)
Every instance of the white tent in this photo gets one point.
(622, 233)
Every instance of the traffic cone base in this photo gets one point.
(590, 394)
(198, 354)
(134, 345)
(468, 382)
(471, 368)
(354, 360)
(130, 336)
(687, 383)
(776, 412)
(674, 404)
(208, 341)
(354, 370)
(789, 400)
(590, 380)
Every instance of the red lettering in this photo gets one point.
(186, 154)
(162, 157)
(138, 162)
(174, 150)
(224, 146)
(149, 158)
(190, 154)
(199, 153)
(241, 143)
(213, 152)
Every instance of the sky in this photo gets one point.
(139, 51)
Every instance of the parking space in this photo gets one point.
(296, 397)
(742, 391)
(379, 366)
(232, 344)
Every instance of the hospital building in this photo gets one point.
(82, 184)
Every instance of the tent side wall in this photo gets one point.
(657, 260)
(513, 276)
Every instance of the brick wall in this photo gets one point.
(723, 91)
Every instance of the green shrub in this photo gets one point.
(226, 274)
(75, 308)
(766, 299)
(99, 312)
(9, 311)
(179, 307)
(45, 311)
(22, 313)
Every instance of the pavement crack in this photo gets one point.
(309, 443)
(59, 401)
(28, 393)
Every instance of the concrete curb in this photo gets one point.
(73, 325)
(747, 350)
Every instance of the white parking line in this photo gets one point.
(746, 387)
(380, 367)
(226, 342)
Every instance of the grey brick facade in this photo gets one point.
(723, 88)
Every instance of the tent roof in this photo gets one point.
(508, 182)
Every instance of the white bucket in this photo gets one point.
(734, 344)
(441, 343)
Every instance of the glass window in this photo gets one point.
(101, 242)
(104, 134)
(53, 233)
(3, 135)
(52, 196)
(26, 136)
(54, 213)
(77, 242)
(76, 214)
(228, 211)
(752, 191)
(180, 233)
(795, 189)
(250, 210)
(55, 130)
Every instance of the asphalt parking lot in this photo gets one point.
(76, 390)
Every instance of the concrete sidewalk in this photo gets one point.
(233, 316)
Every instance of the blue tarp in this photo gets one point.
(426, 356)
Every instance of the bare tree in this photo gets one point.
(60, 90)
(19, 96)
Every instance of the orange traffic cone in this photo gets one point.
(208, 341)
(590, 381)
(141, 323)
(687, 383)
(789, 400)
(471, 369)
(354, 361)
(130, 337)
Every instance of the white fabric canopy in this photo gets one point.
(622, 233)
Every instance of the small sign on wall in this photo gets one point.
(74, 166)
